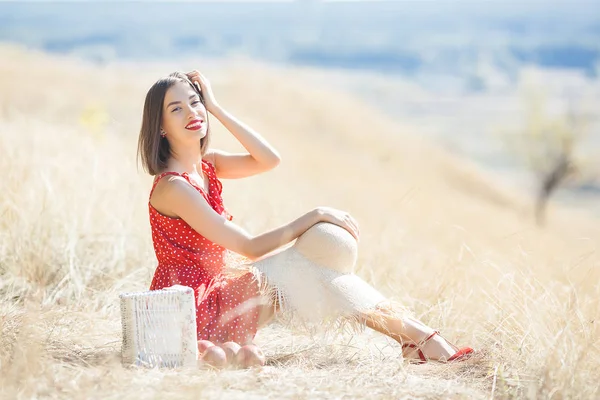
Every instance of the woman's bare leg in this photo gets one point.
(267, 310)
(403, 330)
(410, 330)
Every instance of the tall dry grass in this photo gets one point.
(437, 235)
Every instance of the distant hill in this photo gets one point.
(450, 39)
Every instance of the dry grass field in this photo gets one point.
(438, 235)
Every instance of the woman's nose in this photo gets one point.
(191, 112)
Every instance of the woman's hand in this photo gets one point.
(339, 218)
(209, 98)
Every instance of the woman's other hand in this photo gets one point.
(339, 218)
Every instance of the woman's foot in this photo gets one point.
(434, 347)
(418, 341)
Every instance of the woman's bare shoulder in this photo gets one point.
(167, 187)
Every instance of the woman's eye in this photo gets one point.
(195, 103)
(176, 109)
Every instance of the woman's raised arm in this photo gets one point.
(261, 155)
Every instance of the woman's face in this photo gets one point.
(184, 116)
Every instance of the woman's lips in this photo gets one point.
(194, 125)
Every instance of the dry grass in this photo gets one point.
(436, 236)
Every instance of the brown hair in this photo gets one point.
(154, 150)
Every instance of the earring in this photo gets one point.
(162, 133)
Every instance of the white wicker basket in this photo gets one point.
(159, 328)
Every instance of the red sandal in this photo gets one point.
(460, 355)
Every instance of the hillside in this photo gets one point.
(437, 235)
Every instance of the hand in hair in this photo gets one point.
(209, 98)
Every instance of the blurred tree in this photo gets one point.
(549, 145)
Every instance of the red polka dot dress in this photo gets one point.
(225, 306)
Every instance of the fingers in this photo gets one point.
(342, 219)
(352, 226)
(193, 74)
(353, 231)
(196, 76)
(355, 224)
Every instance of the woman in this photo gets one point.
(192, 231)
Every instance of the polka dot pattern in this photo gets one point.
(225, 309)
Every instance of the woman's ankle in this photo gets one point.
(438, 348)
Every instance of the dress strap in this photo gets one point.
(198, 188)
(160, 176)
(211, 171)
(207, 167)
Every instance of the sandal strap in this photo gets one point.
(460, 354)
(417, 346)
(427, 339)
